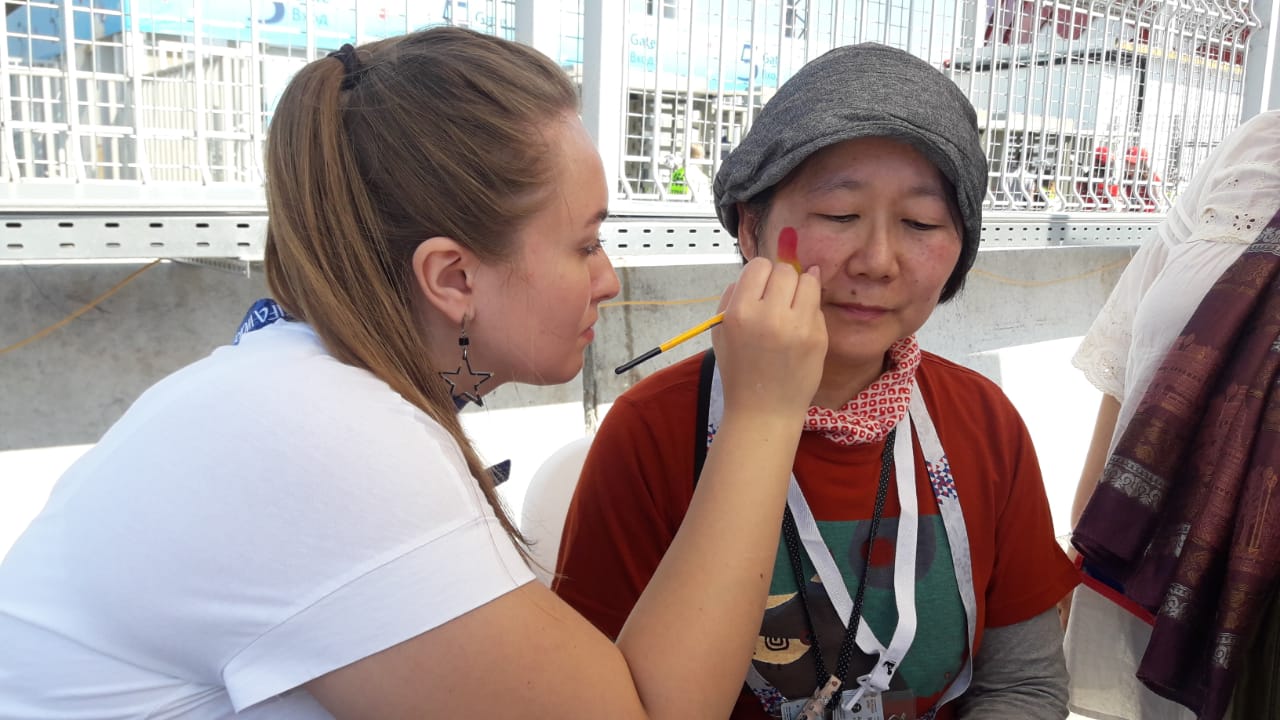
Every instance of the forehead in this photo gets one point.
(575, 195)
(863, 160)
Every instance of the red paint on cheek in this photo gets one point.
(788, 248)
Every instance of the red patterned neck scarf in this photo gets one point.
(872, 413)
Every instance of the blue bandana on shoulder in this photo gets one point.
(263, 313)
(267, 311)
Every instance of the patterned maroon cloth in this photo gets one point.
(1185, 517)
(872, 413)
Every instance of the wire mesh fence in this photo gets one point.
(1084, 105)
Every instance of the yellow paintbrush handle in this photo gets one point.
(692, 332)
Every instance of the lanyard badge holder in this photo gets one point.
(864, 701)
(870, 699)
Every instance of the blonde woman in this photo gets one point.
(297, 527)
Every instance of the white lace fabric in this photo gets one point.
(1233, 195)
(1230, 200)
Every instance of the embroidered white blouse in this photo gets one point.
(1232, 197)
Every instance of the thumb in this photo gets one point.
(726, 297)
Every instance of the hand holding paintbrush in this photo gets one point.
(771, 346)
(788, 240)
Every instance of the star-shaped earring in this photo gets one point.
(476, 379)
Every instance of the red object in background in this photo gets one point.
(1138, 179)
(1017, 21)
(1225, 51)
(1135, 155)
(1096, 193)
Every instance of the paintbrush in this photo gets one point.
(787, 241)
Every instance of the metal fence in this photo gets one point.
(174, 91)
(1084, 105)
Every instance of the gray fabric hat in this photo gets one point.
(858, 91)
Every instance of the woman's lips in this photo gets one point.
(858, 311)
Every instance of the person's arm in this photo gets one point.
(685, 648)
(1020, 673)
(1030, 575)
(1094, 461)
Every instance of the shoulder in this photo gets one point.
(305, 487)
(680, 379)
(278, 416)
(947, 380)
(652, 423)
(1255, 144)
(283, 374)
(967, 406)
(671, 391)
(1263, 126)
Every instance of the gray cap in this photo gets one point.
(858, 91)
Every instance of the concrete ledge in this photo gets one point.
(68, 387)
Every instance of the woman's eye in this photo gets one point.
(596, 246)
(917, 225)
(841, 218)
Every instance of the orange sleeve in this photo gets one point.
(634, 489)
(1030, 573)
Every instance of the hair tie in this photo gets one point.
(350, 65)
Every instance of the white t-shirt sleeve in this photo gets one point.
(414, 546)
(1103, 355)
(263, 525)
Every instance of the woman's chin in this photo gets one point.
(553, 375)
(868, 351)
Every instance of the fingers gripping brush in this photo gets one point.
(788, 239)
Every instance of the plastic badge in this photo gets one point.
(815, 707)
(868, 707)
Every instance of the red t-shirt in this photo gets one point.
(637, 483)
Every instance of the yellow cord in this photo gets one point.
(1045, 283)
(981, 273)
(620, 303)
(83, 309)
(694, 301)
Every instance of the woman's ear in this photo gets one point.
(748, 232)
(445, 271)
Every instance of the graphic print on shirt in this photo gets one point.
(783, 653)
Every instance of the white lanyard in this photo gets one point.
(944, 492)
(904, 570)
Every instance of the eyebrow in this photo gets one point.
(598, 218)
(847, 183)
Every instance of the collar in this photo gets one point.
(872, 413)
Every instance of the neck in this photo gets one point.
(841, 382)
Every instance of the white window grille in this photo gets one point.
(166, 93)
(793, 21)
(670, 8)
(1085, 105)
(1104, 105)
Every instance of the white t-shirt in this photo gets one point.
(1229, 201)
(256, 520)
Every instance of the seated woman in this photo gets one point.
(918, 565)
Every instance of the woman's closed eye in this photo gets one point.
(920, 226)
(840, 218)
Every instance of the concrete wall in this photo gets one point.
(68, 387)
